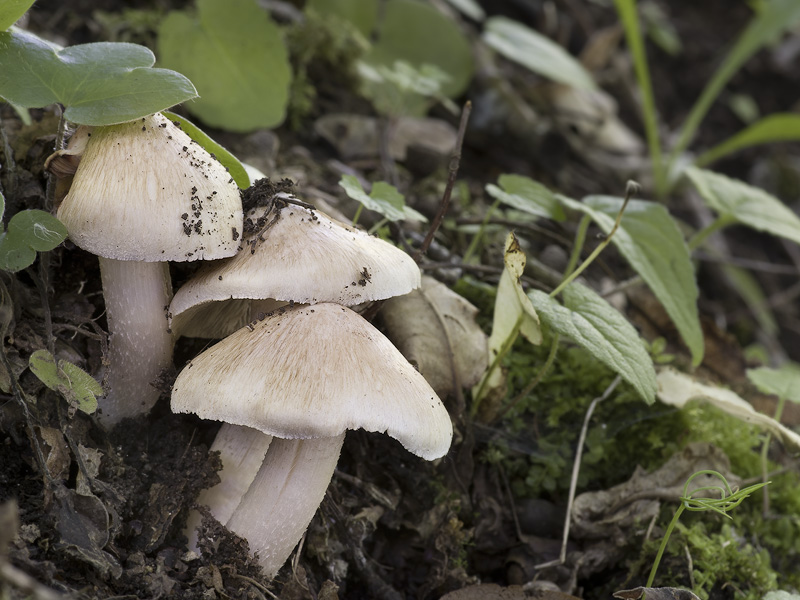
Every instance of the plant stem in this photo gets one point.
(473, 245)
(663, 546)
(701, 236)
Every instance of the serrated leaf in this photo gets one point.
(11, 11)
(676, 389)
(651, 242)
(417, 33)
(384, 199)
(527, 195)
(538, 53)
(103, 83)
(73, 383)
(784, 381)
(226, 159)
(746, 204)
(782, 127)
(235, 55)
(593, 323)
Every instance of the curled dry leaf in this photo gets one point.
(676, 389)
(663, 593)
(435, 329)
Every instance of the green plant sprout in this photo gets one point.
(29, 232)
(384, 199)
(727, 501)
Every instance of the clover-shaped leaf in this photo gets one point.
(28, 232)
(103, 83)
(384, 199)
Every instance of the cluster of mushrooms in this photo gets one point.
(297, 366)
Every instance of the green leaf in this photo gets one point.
(29, 231)
(76, 386)
(775, 17)
(222, 154)
(746, 204)
(236, 57)
(538, 53)
(417, 33)
(11, 11)
(363, 14)
(384, 199)
(471, 8)
(781, 127)
(100, 84)
(593, 323)
(527, 195)
(651, 242)
(784, 382)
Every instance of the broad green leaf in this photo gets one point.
(782, 127)
(746, 204)
(676, 389)
(538, 53)
(29, 231)
(363, 14)
(236, 57)
(594, 324)
(11, 11)
(651, 242)
(528, 196)
(384, 199)
(73, 383)
(226, 159)
(417, 33)
(99, 84)
(39, 229)
(784, 381)
(775, 17)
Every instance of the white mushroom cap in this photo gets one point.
(305, 257)
(315, 371)
(145, 191)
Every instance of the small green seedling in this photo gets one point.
(29, 231)
(728, 500)
(384, 199)
(75, 385)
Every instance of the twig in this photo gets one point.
(455, 161)
(576, 467)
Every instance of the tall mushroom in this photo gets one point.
(144, 193)
(305, 375)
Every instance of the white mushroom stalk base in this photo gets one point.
(285, 494)
(140, 348)
(241, 450)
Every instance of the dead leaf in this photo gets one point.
(435, 329)
(663, 593)
(487, 591)
(676, 389)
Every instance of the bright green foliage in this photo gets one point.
(29, 231)
(226, 159)
(784, 382)
(99, 84)
(363, 14)
(774, 128)
(236, 57)
(383, 199)
(751, 206)
(11, 11)
(650, 240)
(417, 33)
(402, 90)
(527, 195)
(590, 321)
(77, 387)
(536, 52)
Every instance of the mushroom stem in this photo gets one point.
(285, 494)
(241, 450)
(137, 295)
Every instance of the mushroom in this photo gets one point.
(306, 374)
(294, 254)
(144, 193)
